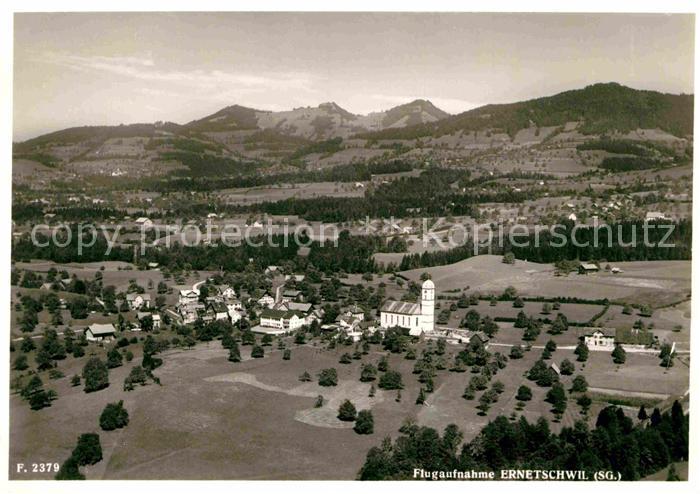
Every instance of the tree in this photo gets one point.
(114, 358)
(524, 394)
(579, 384)
(247, 338)
(619, 355)
(345, 358)
(286, 354)
(266, 340)
(70, 470)
(383, 364)
(642, 415)
(88, 451)
(96, 375)
(114, 416)
(567, 367)
(21, 363)
(516, 352)
(234, 353)
(257, 352)
(584, 401)
(328, 377)
(347, 411)
(319, 401)
(508, 258)
(559, 325)
(391, 380)
(364, 424)
(27, 344)
(75, 380)
(305, 377)
(557, 397)
(581, 351)
(672, 475)
(368, 373)
(421, 397)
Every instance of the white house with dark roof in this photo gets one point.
(100, 332)
(138, 300)
(417, 318)
(602, 339)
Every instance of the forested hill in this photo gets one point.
(601, 107)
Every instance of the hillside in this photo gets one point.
(601, 108)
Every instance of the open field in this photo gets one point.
(214, 419)
(300, 191)
(654, 282)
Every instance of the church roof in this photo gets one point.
(405, 308)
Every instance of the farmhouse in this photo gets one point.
(600, 339)
(587, 267)
(138, 300)
(100, 332)
(418, 318)
(144, 222)
(654, 216)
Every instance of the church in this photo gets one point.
(417, 318)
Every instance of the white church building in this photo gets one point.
(417, 318)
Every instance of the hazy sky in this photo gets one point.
(89, 69)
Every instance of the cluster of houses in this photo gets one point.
(222, 304)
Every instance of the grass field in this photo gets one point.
(654, 282)
(255, 420)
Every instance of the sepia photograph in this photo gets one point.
(316, 245)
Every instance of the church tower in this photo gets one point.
(427, 306)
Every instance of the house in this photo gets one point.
(291, 295)
(284, 320)
(138, 300)
(266, 300)
(219, 311)
(143, 222)
(348, 322)
(303, 307)
(188, 296)
(555, 368)
(587, 267)
(100, 332)
(156, 321)
(226, 291)
(296, 277)
(356, 312)
(602, 339)
(654, 216)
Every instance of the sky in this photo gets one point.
(74, 69)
